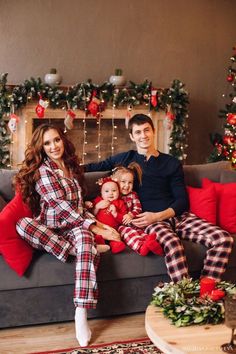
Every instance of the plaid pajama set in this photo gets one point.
(163, 187)
(61, 225)
(133, 236)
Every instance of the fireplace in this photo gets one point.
(102, 139)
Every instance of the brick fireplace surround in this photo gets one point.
(29, 121)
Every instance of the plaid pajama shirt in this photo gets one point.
(133, 236)
(61, 225)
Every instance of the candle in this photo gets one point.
(206, 286)
(217, 294)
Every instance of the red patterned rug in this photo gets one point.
(136, 346)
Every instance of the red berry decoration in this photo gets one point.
(230, 78)
(231, 118)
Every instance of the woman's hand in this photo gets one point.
(107, 232)
(88, 204)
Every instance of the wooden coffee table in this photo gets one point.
(205, 339)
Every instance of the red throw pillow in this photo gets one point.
(226, 204)
(203, 203)
(16, 252)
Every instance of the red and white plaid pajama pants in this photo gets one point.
(189, 227)
(133, 237)
(58, 242)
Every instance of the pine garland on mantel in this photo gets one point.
(173, 100)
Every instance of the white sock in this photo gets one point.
(103, 248)
(82, 330)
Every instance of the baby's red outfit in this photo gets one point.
(106, 217)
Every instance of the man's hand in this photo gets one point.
(145, 219)
(148, 217)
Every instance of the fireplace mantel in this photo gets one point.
(21, 138)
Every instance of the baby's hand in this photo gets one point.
(88, 204)
(112, 210)
(102, 204)
(127, 218)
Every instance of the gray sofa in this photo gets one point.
(126, 280)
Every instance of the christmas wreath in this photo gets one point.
(182, 304)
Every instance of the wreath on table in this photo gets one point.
(182, 304)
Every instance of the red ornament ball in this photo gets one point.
(230, 78)
(231, 118)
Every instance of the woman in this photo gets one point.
(51, 181)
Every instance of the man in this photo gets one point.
(165, 205)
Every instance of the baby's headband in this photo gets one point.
(104, 180)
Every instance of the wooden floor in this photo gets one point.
(25, 340)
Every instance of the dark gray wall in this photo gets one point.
(156, 39)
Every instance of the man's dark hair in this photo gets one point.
(139, 119)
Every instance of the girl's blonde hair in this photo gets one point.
(133, 168)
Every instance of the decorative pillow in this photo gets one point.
(203, 203)
(226, 204)
(15, 251)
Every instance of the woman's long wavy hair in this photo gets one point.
(28, 174)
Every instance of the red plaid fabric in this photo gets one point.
(61, 201)
(61, 225)
(189, 227)
(132, 203)
(133, 237)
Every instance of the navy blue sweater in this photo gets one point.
(162, 181)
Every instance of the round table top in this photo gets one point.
(196, 339)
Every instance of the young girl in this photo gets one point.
(109, 209)
(133, 236)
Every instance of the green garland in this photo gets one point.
(78, 96)
(180, 302)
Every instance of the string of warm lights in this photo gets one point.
(83, 94)
(84, 153)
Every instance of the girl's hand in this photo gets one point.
(127, 218)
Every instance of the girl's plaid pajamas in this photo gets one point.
(133, 236)
(61, 225)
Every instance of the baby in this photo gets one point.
(109, 209)
(133, 236)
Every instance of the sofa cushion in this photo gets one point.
(226, 204)
(6, 190)
(194, 173)
(228, 176)
(203, 202)
(92, 188)
(16, 252)
(2, 203)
